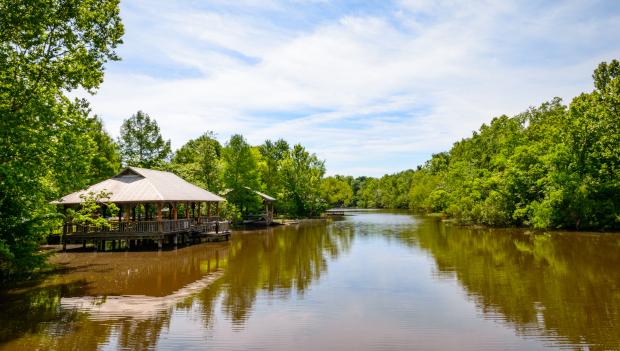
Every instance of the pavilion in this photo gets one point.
(155, 207)
(268, 204)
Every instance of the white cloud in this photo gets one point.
(396, 84)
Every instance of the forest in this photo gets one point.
(553, 166)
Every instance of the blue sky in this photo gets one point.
(372, 87)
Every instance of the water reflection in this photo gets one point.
(133, 295)
(278, 261)
(373, 280)
(562, 288)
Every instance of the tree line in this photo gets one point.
(235, 170)
(552, 166)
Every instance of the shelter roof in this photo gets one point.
(135, 184)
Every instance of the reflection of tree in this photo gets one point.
(279, 262)
(564, 287)
(141, 334)
(29, 312)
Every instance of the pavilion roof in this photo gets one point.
(135, 184)
(263, 195)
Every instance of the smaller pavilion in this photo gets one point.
(268, 203)
(155, 207)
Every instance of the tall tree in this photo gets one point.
(141, 142)
(273, 153)
(240, 174)
(47, 48)
(198, 161)
(301, 180)
(107, 159)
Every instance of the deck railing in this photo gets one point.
(207, 219)
(202, 224)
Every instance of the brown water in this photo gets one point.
(375, 280)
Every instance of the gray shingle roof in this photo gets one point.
(145, 185)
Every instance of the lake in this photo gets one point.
(371, 281)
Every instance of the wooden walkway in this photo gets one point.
(334, 212)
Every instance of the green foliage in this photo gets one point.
(106, 160)
(550, 167)
(292, 176)
(141, 142)
(46, 50)
(240, 174)
(199, 162)
(336, 191)
(90, 211)
(272, 154)
(230, 212)
(301, 175)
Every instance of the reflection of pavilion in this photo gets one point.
(142, 194)
(135, 306)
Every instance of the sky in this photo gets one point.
(371, 87)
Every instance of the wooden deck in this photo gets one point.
(334, 212)
(132, 234)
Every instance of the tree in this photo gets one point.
(90, 213)
(46, 50)
(273, 153)
(336, 191)
(107, 159)
(141, 142)
(301, 175)
(198, 161)
(240, 174)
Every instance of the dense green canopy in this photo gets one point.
(49, 144)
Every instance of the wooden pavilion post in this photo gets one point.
(160, 225)
(175, 211)
(186, 206)
(159, 217)
(217, 221)
(127, 212)
(65, 230)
